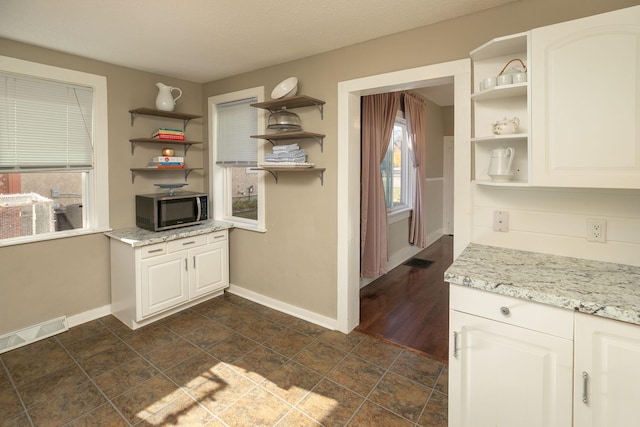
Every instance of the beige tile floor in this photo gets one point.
(225, 362)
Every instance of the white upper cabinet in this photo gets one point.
(585, 102)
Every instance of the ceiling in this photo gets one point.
(206, 40)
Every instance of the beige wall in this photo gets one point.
(295, 261)
(70, 276)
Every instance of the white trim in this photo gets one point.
(348, 210)
(97, 205)
(301, 313)
(217, 184)
(89, 315)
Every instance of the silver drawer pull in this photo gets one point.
(189, 243)
(455, 344)
(219, 237)
(505, 311)
(153, 251)
(585, 384)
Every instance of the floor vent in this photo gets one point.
(417, 262)
(33, 333)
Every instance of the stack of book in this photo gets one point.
(166, 162)
(169, 134)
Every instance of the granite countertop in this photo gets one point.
(593, 287)
(140, 237)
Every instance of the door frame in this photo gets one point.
(348, 186)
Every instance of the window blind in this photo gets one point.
(44, 124)
(236, 122)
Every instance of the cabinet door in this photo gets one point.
(163, 283)
(208, 269)
(608, 352)
(504, 375)
(585, 79)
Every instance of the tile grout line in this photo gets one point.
(15, 389)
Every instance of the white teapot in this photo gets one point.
(506, 126)
(165, 100)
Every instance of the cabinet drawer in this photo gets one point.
(188, 243)
(218, 236)
(153, 250)
(513, 311)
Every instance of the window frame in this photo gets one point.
(220, 180)
(96, 200)
(403, 211)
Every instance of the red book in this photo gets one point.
(169, 137)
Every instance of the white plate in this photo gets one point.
(285, 88)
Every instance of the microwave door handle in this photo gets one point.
(199, 208)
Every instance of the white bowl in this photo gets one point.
(286, 88)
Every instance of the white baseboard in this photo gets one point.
(301, 313)
(88, 316)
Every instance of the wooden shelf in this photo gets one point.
(499, 92)
(185, 117)
(291, 102)
(273, 138)
(274, 171)
(186, 171)
(186, 143)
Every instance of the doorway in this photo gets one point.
(349, 93)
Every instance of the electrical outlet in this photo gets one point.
(596, 230)
(501, 221)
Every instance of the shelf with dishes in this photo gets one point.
(273, 138)
(297, 101)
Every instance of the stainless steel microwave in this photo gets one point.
(157, 212)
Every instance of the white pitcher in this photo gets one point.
(500, 165)
(165, 100)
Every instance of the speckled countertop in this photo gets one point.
(599, 288)
(139, 237)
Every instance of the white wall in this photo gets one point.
(554, 220)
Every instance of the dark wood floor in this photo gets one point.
(409, 306)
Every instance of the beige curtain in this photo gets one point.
(378, 117)
(414, 114)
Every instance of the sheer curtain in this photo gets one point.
(414, 114)
(378, 117)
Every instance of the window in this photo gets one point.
(397, 170)
(238, 191)
(53, 152)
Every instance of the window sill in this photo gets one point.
(46, 237)
(398, 215)
(245, 226)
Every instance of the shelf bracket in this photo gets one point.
(320, 174)
(185, 122)
(321, 108)
(320, 141)
(133, 176)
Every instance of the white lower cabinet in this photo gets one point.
(518, 363)
(508, 364)
(607, 372)
(151, 282)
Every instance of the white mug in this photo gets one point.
(504, 79)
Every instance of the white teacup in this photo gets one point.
(520, 78)
(489, 83)
(504, 79)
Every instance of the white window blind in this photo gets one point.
(236, 122)
(44, 124)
